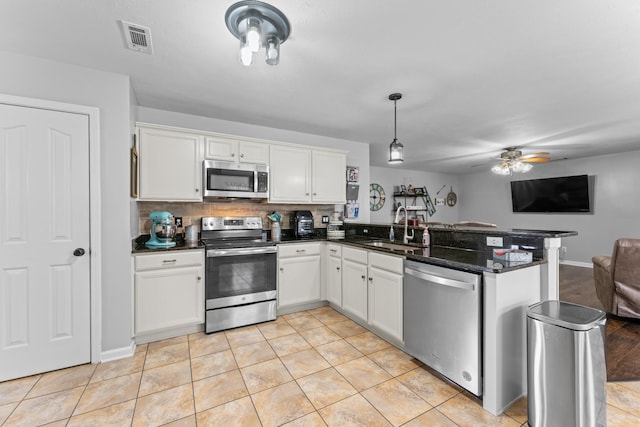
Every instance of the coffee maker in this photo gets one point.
(162, 231)
(302, 224)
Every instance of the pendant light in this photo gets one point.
(395, 149)
(258, 25)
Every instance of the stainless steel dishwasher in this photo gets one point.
(443, 321)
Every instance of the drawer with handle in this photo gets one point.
(168, 259)
(298, 249)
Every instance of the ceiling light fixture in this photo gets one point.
(257, 25)
(395, 149)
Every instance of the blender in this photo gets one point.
(162, 231)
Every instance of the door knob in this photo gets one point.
(78, 252)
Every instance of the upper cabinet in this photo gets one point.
(170, 165)
(233, 150)
(328, 177)
(304, 175)
(289, 174)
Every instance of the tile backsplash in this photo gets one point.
(192, 212)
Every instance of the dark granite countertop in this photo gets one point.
(138, 247)
(507, 231)
(459, 259)
(475, 261)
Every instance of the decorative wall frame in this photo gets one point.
(352, 173)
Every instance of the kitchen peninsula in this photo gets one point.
(508, 288)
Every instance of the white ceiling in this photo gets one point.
(476, 76)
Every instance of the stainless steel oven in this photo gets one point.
(240, 273)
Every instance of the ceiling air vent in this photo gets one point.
(138, 37)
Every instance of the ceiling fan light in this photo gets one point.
(517, 166)
(502, 169)
(526, 167)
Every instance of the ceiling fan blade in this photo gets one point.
(542, 153)
(536, 160)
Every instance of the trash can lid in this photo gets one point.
(567, 315)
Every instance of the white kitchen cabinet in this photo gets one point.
(168, 290)
(298, 274)
(236, 150)
(354, 282)
(289, 174)
(170, 165)
(334, 274)
(385, 294)
(303, 175)
(328, 179)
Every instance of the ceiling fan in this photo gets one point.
(512, 160)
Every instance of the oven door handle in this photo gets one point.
(241, 251)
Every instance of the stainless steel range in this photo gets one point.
(240, 273)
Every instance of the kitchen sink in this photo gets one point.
(392, 246)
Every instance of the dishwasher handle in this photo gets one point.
(468, 286)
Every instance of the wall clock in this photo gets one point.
(376, 197)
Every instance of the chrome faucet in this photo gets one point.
(407, 236)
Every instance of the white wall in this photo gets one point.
(392, 177)
(358, 151)
(616, 203)
(38, 78)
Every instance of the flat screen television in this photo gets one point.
(562, 194)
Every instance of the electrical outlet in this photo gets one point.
(325, 219)
(178, 221)
(494, 241)
(563, 250)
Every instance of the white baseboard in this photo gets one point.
(118, 353)
(577, 263)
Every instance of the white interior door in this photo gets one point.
(44, 241)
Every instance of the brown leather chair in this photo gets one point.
(617, 278)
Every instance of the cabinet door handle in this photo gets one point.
(168, 261)
(242, 156)
(333, 251)
(199, 278)
(197, 190)
(306, 194)
(315, 194)
(371, 279)
(233, 154)
(301, 251)
(363, 277)
(281, 269)
(338, 268)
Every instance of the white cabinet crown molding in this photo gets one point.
(237, 137)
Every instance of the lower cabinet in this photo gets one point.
(168, 290)
(334, 274)
(372, 290)
(385, 294)
(298, 274)
(354, 282)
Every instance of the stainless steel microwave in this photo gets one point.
(240, 180)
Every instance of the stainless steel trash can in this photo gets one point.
(566, 370)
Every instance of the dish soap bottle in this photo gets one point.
(392, 236)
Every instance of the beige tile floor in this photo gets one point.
(311, 368)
